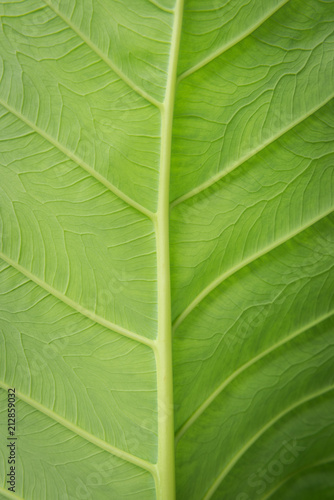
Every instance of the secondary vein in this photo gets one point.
(129, 201)
(220, 279)
(102, 56)
(269, 424)
(220, 175)
(128, 457)
(77, 307)
(235, 41)
(201, 409)
(302, 469)
(9, 494)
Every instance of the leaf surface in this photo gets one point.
(166, 212)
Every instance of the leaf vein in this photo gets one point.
(228, 46)
(71, 303)
(201, 409)
(124, 455)
(217, 177)
(108, 61)
(129, 201)
(218, 281)
(266, 427)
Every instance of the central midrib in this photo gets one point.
(165, 480)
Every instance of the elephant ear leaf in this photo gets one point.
(252, 251)
(166, 218)
(81, 93)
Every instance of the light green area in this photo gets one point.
(166, 219)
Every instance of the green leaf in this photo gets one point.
(167, 249)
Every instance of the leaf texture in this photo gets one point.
(167, 248)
